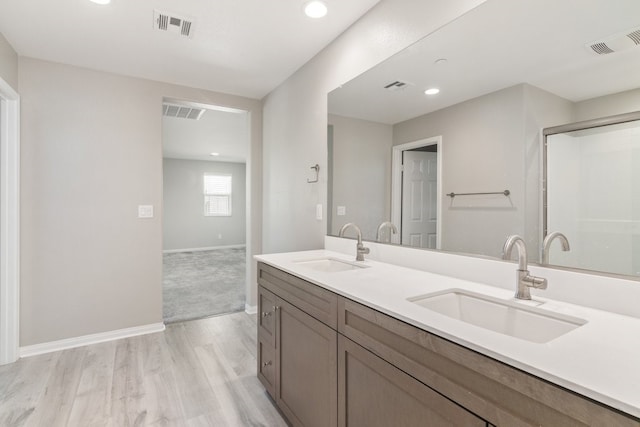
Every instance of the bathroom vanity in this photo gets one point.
(363, 344)
(435, 337)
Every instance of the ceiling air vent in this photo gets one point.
(182, 112)
(398, 85)
(173, 23)
(616, 43)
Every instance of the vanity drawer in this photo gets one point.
(312, 299)
(499, 393)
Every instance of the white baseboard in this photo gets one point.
(48, 347)
(210, 248)
(250, 309)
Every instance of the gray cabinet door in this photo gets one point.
(306, 368)
(267, 315)
(372, 393)
(267, 340)
(267, 366)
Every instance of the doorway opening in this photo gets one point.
(9, 223)
(205, 199)
(416, 192)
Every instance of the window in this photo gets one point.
(217, 195)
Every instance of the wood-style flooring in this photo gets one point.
(197, 373)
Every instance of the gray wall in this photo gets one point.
(184, 223)
(8, 63)
(295, 114)
(91, 153)
(489, 144)
(361, 174)
(610, 105)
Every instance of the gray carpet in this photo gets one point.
(201, 284)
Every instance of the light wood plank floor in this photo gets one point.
(197, 373)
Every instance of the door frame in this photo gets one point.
(251, 246)
(396, 185)
(9, 223)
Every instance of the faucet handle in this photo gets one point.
(361, 251)
(535, 282)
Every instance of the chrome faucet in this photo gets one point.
(546, 244)
(360, 249)
(392, 230)
(524, 280)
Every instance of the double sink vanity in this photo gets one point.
(526, 137)
(369, 343)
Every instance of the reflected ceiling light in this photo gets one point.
(214, 154)
(315, 9)
(440, 61)
(432, 91)
(101, 1)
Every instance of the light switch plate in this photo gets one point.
(145, 211)
(319, 211)
(341, 210)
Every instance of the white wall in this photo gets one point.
(489, 144)
(295, 114)
(8, 63)
(91, 153)
(184, 223)
(479, 137)
(361, 174)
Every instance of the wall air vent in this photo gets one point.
(616, 43)
(173, 23)
(398, 85)
(182, 112)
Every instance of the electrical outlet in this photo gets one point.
(219, 235)
(145, 211)
(341, 210)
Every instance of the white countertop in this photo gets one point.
(600, 360)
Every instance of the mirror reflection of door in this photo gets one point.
(419, 198)
(416, 190)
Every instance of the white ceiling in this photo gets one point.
(499, 44)
(241, 47)
(224, 132)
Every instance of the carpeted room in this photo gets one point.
(204, 211)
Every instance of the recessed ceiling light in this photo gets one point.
(101, 1)
(432, 91)
(214, 154)
(315, 9)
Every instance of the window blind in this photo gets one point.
(217, 195)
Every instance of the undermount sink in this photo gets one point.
(329, 265)
(506, 317)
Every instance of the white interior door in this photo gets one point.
(419, 199)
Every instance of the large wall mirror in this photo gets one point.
(462, 169)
